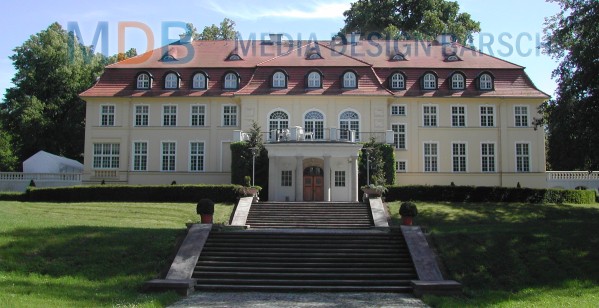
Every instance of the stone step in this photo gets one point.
(328, 269)
(301, 288)
(306, 282)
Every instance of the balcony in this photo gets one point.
(297, 134)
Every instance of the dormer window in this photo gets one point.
(168, 58)
(458, 81)
(397, 81)
(234, 57)
(398, 57)
(350, 80)
(429, 81)
(452, 58)
(171, 81)
(231, 81)
(144, 81)
(314, 80)
(200, 81)
(279, 80)
(485, 82)
(314, 56)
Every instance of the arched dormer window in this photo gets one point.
(486, 82)
(199, 81)
(231, 81)
(144, 81)
(398, 56)
(429, 81)
(397, 81)
(458, 81)
(171, 80)
(350, 80)
(314, 80)
(279, 80)
(234, 57)
(452, 58)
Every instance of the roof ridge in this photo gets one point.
(488, 55)
(284, 54)
(343, 54)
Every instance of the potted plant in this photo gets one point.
(248, 190)
(374, 191)
(205, 209)
(408, 211)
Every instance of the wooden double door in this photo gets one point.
(313, 184)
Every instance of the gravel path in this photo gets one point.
(299, 300)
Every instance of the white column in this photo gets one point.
(354, 179)
(327, 178)
(272, 178)
(299, 178)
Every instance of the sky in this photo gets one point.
(510, 29)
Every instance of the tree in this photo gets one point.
(410, 19)
(381, 158)
(572, 37)
(8, 160)
(226, 31)
(43, 110)
(241, 160)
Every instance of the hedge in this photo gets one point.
(488, 194)
(131, 193)
(12, 196)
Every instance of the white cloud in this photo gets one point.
(299, 10)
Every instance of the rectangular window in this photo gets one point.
(106, 155)
(521, 116)
(459, 157)
(458, 116)
(430, 115)
(286, 176)
(487, 155)
(107, 115)
(339, 178)
(487, 116)
(196, 156)
(168, 156)
(431, 157)
(399, 136)
(198, 115)
(229, 115)
(398, 110)
(169, 115)
(140, 156)
(400, 166)
(522, 157)
(142, 115)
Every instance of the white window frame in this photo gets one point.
(433, 158)
(144, 81)
(488, 156)
(143, 117)
(458, 82)
(430, 115)
(459, 116)
(279, 80)
(314, 80)
(486, 115)
(398, 81)
(200, 115)
(199, 81)
(172, 165)
(429, 81)
(521, 119)
(141, 155)
(229, 119)
(398, 163)
(314, 125)
(107, 117)
(231, 81)
(340, 178)
(200, 157)
(277, 123)
(485, 82)
(397, 134)
(349, 124)
(168, 117)
(286, 178)
(350, 80)
(397, 108)
(171, 81)
(528, 157)
(106, 154)
(462, 158)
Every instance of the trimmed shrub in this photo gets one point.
(131, 193)
(489, 194)
(12, 196)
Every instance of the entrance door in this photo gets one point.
(313, 184)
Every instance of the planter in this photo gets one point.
(372, 193)
(206, 218)
(407, 220)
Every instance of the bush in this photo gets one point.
(205, 207)
(408, 209)
(12, 196)
(131, 193)
(489, 194)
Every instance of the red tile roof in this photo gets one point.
(369, 59)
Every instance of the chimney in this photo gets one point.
(275, 38)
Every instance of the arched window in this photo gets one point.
(485, 82)
(279, 80)
(397, 81)
(429, 81)
(349, 120)
(278, 120)
(231, 81)
(171, 81)
(143, 81)
(199, 81)
(398, 57)
(234, 57)
(314, 56)
(314, 80)
(350, 80)
(458, 82)
(314, 125)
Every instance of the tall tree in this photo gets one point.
(572, 37)
(225, 31)
(410, 19)
(43, 110)
(8, 159)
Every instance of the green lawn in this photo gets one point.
(515, 255)
(89, 254)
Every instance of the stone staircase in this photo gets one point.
(323, 215)
(305, 260)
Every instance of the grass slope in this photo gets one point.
(515, 255)
(88, 254)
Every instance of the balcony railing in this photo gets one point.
(572, 176)
(298, 134)
(57, 177)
